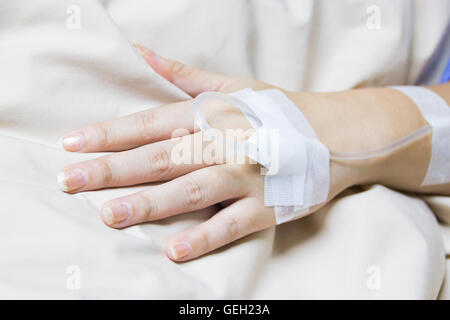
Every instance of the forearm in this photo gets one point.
(366, 119)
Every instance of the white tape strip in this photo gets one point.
(303, 178)
(298, 164)
(437, 113)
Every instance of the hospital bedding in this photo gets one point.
(65, 64)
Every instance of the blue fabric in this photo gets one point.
(446, 75)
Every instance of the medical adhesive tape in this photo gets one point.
(297, 164)
(436, 112)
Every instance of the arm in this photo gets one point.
(365, 119)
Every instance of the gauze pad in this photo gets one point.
(437, 113)
(297, 163)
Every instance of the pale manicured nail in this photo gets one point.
(72, 179)
(180, 250)
(118, 213)
(73, 142)
(149, 55)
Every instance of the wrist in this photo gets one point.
(320, 109)
(363, 120)
(352, 121)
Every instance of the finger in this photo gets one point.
(150, 163)
(241, 218)
(133, 130)
(194, 191)
(189, 79)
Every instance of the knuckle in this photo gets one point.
(181, 69)
(194, 194)
(205, 239)
(106, 172)
(148, 207)
(221, 84)
(146, 123)
(232, 227)
(104, 136)
(160, 162)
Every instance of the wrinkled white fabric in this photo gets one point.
(371, 243)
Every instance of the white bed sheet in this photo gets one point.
(369, 243)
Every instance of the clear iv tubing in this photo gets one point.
(335, 155)
(384, 150)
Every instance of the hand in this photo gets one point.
(144, 147)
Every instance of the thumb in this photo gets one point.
(189, 79)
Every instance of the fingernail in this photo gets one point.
(180, 250)
(72, 179)
(116, 214)
(73, 142)
(149, 55)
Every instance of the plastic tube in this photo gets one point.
(386, 149)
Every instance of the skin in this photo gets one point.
(353, 120)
